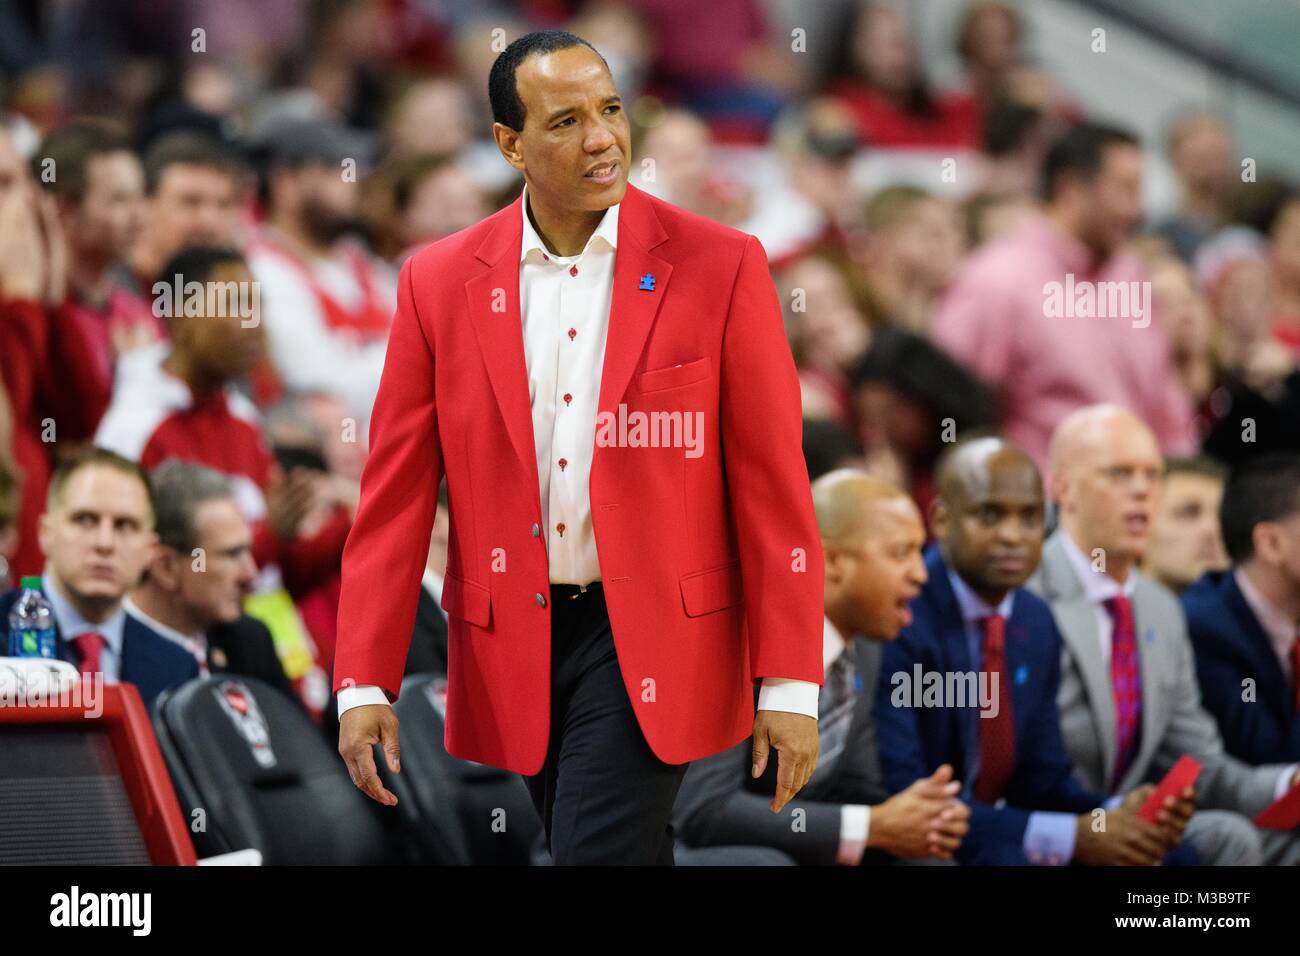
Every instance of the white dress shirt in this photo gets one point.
(855, 818)
(564, 304)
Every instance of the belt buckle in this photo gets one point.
(582, 589)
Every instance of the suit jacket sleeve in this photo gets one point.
(761, 411)
(1248, 729)
(383, 561)
(713, 808)
(1225, 782)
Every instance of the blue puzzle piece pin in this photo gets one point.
(1150, 635)
(648, 282)
(1022, 674)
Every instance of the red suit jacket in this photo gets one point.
(711, 565)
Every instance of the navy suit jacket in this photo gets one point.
(1230, 647)
(149, 661)
(915, 741)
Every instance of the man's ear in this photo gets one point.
(938, 518)
(508, 142)
(1267, 547)
(165, 567)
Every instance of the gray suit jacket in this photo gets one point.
(720, 804)
(1173, 721)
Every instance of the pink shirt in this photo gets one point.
(1013, 318)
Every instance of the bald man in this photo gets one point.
(871, 536)
(1129, 702)
(992, 653)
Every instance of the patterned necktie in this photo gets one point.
(997, 734)
(1126, 683)
(91, 648)
(835, 711)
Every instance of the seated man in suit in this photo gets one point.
(993, 653)
(1129, 702)
(871, 537)
(97, 537)
(201, 570)
(1245, 623)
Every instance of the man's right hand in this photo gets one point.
(1126, 840)
(360, 728)
(925, 820)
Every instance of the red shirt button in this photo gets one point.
(563, 463)
(572, 333)
(560, 528)
(573, 270)
(567, 398)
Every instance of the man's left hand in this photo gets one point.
(794, 738)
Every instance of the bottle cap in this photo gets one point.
(32, 582)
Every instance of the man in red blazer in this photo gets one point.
(604, 381)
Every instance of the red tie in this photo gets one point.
(1126, 683)
(997, 734)
(91, 647)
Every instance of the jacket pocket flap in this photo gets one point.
(658, 379)
(466, 600)
(706, 591)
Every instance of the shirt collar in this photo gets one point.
(833, 644)
(191, 642)
(72, 624)
(1098, 587)
(1280, 629)
(973, 607)
(606, 232)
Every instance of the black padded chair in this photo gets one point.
(250, 759)
(453, 811)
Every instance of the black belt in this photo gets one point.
(573, 591)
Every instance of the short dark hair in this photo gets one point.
(197, 263)
(89, 456)
(1079, 151)
(1266, 488)
(1201, 465)
(72, 147)
(188, 148)
(503, 93)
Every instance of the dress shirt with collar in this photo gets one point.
(1099, 588)
(1049, 836)
(1281, 631)
(71, 624)
(855, 818)
(196, 644)
(564, 304)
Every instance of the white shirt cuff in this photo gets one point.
(359, 695)
(789, 694)
(855, 824)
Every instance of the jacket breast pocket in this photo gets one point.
(466, 600)
(658, 379)
(704, 592)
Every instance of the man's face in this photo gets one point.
(1113, 200)
(576, 144)
(214, 594)
(193, 205)
(110, 215)
(929, 243)
(875, 578)
(99, 535)
(992, 529)
(224, 346)
(327, 202)
(1185, 539)
(1111, 487)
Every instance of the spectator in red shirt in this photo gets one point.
(98, 186)
(179, 400)
(55, 391)
(883, 84)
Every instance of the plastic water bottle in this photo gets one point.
(31, 623)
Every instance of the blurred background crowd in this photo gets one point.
(916, 173)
